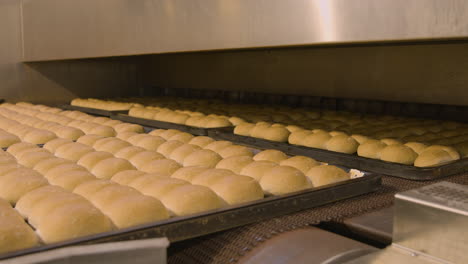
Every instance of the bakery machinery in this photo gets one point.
(304, 131)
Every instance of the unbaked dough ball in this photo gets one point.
(161, 166)
(136, 210)
(150, 142)
(89, 139)
(433, 157)
(326, 174)
(316, 140)
(182, 137)
(272, 155)
(235, 164)
(56, 143)
(283, 179)
(140, 159)
(126, 176)
(244, 129)
(191, 199)
(73, 151)
(218, 145)
(183, 151)
(302, 163)
(235, 150)
(203, 158)
(37, 136)
(188, 173)
(30, 159)
(201, 141)
(28, 201)
(398, 154)
(342, 144)
(257, 169)
(72, 179)
(372, 149)
(72, 221)
(107, 168)
(92, 158)
(169, 146)
(45, 165)
(416, 146)
(128, 152)
(16, 183)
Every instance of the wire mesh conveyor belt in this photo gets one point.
(229, 246)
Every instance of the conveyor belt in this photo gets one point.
(229, 246)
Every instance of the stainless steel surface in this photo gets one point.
(433, 220)
(393, 255)
(425, 73)
(56, 81)
(64, 29)
(307, 245)
(376, 225)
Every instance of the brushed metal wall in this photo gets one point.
(425, 73)
(63, 29)
(56, 81)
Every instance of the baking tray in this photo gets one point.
(348, 160)
(164, 125)
(92, 111)
(186, 227)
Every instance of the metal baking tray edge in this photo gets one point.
(186, 227)
(348, 160)
(164, 125)
(92, 111)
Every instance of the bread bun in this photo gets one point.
(72, 179)
(16, 183)
(190, 199)
(135, 210)
(342, 144)
(92, 158)
(72, 221)
(297, 137)
(107, 168)
(30, 159)
(259, 130)
(73, 151)
(272, 155)
(88, 188)
(19, 147)
(188, 173)
(56, 143)
(391, 141)
(169, 146)
(169, 133)
(235, 150)
(45, 165)
(183, 151)
(234, 164)
(128, 152)
(104, 131)
(211, 176)
(203, 158)
(8, 139)
(452, 151)
(28, 201)
(89, 139)
(61, 169)
(126, 176)
(416, 146)
(37, 136)
(278, 134)
(372, 149)
(316, 140)
(159, 188)
(201, 141)
(161, 166)
(146, 179)
(15, 235)
(113, 146)
(140, 159)
(433, 157)
(326, 174)
(283, 179)
(398, 154)
(243, 129)
(107, 195)
(257, 169)
(237, 189)
(302, 163)
(218, 145)
(70, 133)
(126, 135)
(182, 137)
(150, 142)
(360, 138)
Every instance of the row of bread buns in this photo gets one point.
(101, 104)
